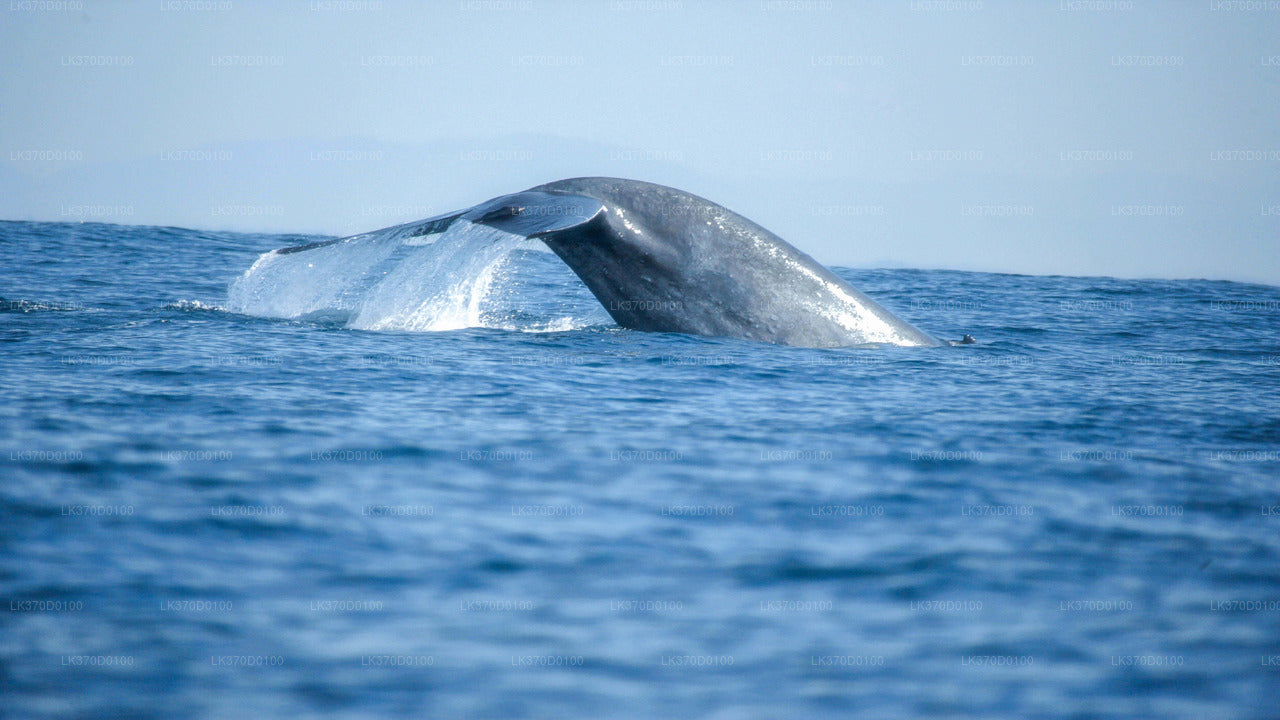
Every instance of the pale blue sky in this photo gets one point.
(1112, 137)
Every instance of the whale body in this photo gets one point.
(662, 260)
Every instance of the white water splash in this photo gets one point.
(328, 280)
(193, 306)
(383, 281)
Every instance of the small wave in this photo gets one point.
(563, 324)
(30, 306)
(194, 306)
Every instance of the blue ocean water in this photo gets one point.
(210, 513)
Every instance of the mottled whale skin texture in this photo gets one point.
(663, 260)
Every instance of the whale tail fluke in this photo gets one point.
(656, 258)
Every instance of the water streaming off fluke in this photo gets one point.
(467, 276)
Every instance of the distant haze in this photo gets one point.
(1077, 137)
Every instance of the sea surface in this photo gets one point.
(467, 493)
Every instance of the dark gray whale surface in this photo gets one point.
(662, 260)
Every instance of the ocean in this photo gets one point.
(467, 493)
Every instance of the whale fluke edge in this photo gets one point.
(662, 260)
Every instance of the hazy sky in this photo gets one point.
(1111, 137)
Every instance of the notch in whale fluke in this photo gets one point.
(535, 214)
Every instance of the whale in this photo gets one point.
(664, 260)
